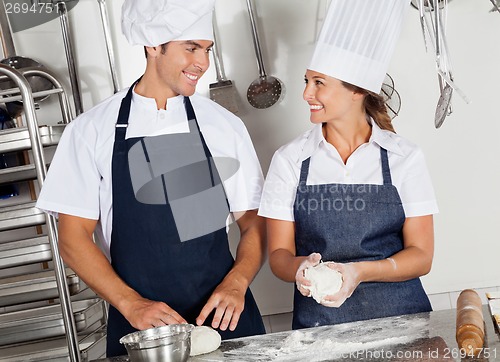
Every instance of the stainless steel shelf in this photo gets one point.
(56, 350)
(27, 320)
(18, 173)
(23, 252)
(20, 215)
(17, 139)
(36, 287)
(46, 322)
(14, 94)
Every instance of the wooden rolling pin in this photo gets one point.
(470, 322)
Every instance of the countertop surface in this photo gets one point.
(416, 337)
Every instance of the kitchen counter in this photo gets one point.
(416, 337)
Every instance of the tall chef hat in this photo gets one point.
(357, 40)
(155, 22)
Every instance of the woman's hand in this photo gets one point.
(301, 281)
(350, 281)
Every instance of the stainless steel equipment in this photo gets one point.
(47, 322)
(496, 7)
(266, 90)
(109, 43)
(433, 15)
(170, 343)
(70, 56)
(36, 82)
(390, 96)
(221, 92)
(21, 289)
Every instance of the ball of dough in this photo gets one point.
(324, 281)
(204, 340)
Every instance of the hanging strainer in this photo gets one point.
(391, 97)
(266, 90)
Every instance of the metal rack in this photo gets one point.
(45, 314)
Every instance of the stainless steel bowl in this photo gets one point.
(170, 343)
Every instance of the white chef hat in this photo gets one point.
(357, 40)
(155, 22)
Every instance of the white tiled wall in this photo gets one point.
(283, 322)
(278, 322)
(449, 300)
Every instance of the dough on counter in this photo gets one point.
(324, 281)
(204, 340)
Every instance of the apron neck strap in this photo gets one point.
(122, 121)
(386, 171)
(304, 171)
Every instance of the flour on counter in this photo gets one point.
(302, 344)
(320, 344)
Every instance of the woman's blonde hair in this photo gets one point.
(374, 106)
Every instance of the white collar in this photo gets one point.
(378, 136)
(150, 103)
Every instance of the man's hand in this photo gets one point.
(144, 313)
(228, 301)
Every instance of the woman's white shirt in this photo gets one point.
(79, 179)
(406, 161)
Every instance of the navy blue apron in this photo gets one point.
(146, 249)
(350, 223)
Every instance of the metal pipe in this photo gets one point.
(219, 68)
(5, 34)
(68, 46)
(63, 99)
(41, 171)
(495, 5)
(256, 41)
(18, 96)
(109, 43)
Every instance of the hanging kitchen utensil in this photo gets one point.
(109, 43)
(443, 106)
(266, 90)
(391, 97)
(435, 27)
(70, 58)
(496, 6)
(428, 4)
(421, 11)
(222, 91)
(37, 83)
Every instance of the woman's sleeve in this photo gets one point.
(280, 188)
(417, 192)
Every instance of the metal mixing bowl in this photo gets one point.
(170, 343)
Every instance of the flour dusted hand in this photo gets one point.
(351, 280)
(324, 281)
(300, 279)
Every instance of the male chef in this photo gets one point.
(156, 172)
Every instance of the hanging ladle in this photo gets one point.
(266, 90)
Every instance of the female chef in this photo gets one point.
(350, 191)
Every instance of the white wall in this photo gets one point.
(462, 155)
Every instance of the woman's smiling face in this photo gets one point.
(327, 97)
